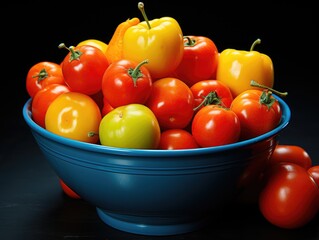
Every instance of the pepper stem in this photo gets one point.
(140, 6)
(253, 83)
(257, 41)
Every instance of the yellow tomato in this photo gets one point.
(74, 115)
(95, 43)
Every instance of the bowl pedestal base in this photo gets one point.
(154, 226)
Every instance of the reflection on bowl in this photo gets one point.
(156, 192)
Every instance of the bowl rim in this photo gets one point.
(93, 147)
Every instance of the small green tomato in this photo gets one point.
(130, 126)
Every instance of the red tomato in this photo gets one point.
(291, 153)
(258, 112)
(207, 92)
(290, 197)
(172, 102)
(106, 107)
(177, 139)
(43, 74)
(126, 82)
(42, 99)
(214, 125)
(83, 68)
(199, 62)
(68, 191)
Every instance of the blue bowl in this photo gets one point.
(157, 192)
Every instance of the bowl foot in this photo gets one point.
(153, 227)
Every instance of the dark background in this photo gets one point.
(31, 203)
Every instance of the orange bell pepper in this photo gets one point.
(114, 50)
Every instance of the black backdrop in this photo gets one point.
(30, 206)
(31, 33)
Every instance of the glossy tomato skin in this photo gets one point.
(177, 139)
(106, 108)
(314, 173)
(255, 117)
(222, 94)
(43, 74)
(43, 99)
(200, 60)
(291, 153)
(68, 191)
(214, 126)
(83, 68)
(125, 82)
(290, 197)
(74, 115)
(130, 126)
(172, 102)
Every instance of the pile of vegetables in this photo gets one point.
(151, 87)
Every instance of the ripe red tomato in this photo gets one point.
(214, 125)
(106, 108)
(126, 82)
(43, 98)
(291, 153)
(199, 62)
(290, 197)
(172, 102)
(211, 92)
(177, 139)
(68, 191)
(83, 68)
(43, 74)
(258, 112)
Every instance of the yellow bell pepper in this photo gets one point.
(159, 40)
(237, 68)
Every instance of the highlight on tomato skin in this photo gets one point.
(177, 139)
(291, 153)
(290, 197)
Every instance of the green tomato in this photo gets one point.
(130, 126)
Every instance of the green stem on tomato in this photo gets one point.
(257, 41)
(43, 74)
(140, 6)
(136, 72)
(74, 54)
(253, 83)
(190, 42)
(212, 98)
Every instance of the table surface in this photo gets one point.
(32, 204)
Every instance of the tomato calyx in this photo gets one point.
(43, 74)
(211, 98)
(190, 42)
(136, 73)
(75, 54)
(266, 97)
